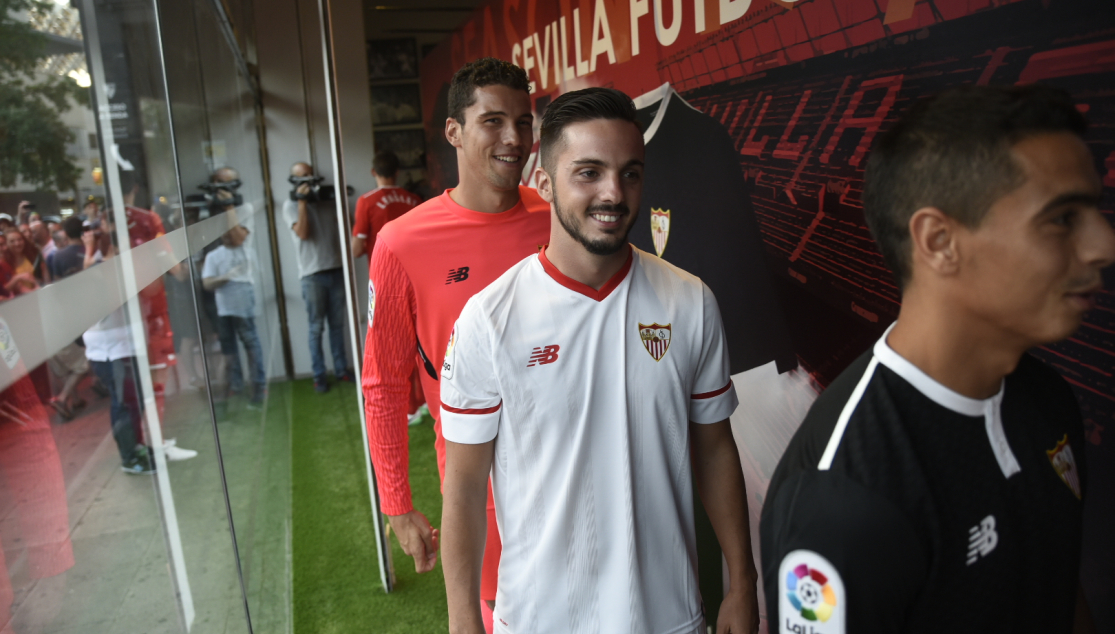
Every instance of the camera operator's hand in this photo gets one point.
(303, 189)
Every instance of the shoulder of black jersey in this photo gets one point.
(810, 440)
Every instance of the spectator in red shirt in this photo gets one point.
(381, 205)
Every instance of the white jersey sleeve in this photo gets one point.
(470, 401)
(713, 398)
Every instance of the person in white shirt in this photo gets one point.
(592, 382)
(228, 271)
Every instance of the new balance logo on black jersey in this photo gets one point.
(457, 275)
(542, 356)
(982, 539)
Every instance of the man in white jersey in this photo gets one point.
(583, 380)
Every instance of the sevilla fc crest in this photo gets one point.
(1065, 465)
(656, 339)
(659, 229)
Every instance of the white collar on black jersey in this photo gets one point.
(988, 409)
(664, 93)
(927, 385)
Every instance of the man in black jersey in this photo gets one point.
(937, 485)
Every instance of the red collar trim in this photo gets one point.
(585, 289)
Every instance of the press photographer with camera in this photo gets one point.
(311, 214)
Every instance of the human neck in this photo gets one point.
(575, 262)
(385, 182)
(475, 194)
(955, 348)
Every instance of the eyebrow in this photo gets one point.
(601, 163)
(492, 113)
(1072, 198)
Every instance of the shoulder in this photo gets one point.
(808, 443)
(666, 276)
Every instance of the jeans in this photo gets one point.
(324, 294)
(231, 328)
(118, 377)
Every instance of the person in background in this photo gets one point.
(381, 205)
(938, 484)
(22, 267)
(373, 210)
(313, 223)
(229, 270)
(70, 365)
(427, 264)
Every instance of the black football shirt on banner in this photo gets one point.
(902, 506)
(695, 198)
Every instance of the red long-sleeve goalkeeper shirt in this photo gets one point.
(424, 267)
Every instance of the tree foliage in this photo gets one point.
(33, 138)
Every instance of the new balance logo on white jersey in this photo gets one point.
(982, 539)
(543, 355)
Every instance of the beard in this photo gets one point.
(602, 246)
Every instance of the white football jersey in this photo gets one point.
(588, 395)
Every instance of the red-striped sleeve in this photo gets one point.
(389, 356)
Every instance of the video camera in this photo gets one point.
(215, 200)
(317, 193)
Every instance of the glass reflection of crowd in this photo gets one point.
(99, 366)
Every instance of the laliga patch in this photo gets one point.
(371, 302)
(811, 597)
(450, 358)
(1065, 465)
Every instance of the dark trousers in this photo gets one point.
(118, 376)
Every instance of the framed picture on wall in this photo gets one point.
(408, 145)
(392, 59)
(396, 104)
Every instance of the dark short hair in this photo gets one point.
(73, 227)
(385, 163)
(577, 106)
(952, 151)
(486, 71)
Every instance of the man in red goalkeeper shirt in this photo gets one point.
(428, 263)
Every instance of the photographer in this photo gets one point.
(312, 218)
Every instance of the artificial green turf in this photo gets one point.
(336, 575)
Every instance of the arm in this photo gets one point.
(358, 246)
(389, 351)
(465, 520)
(301, 226)
(719, 479)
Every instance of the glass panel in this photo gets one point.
(114, 514)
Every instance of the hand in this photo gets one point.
(302, 190)
(417, 539)
(739, 613)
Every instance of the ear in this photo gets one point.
(934, 241)
(543, 184)
(453, 132)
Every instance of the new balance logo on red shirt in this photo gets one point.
(542, 356)
(457, 275)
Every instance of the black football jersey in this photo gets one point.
(696, 214)
(903, 506)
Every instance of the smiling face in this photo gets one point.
(1032, 267)
(495, 138)
(597, 182)
(15, 242)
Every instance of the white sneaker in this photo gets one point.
(416, 417)
(175, 453)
